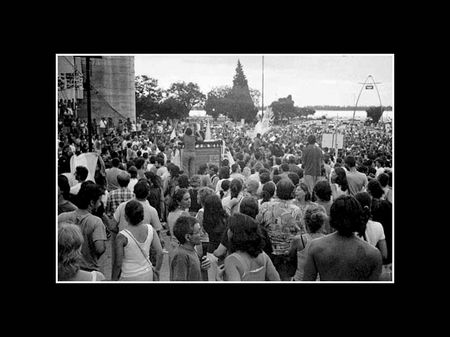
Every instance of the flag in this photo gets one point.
(173, 134)
(88, 160)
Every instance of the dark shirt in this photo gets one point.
(312, 160)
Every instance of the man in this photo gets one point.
(102, 126)
(119, 195)
(357, 181)
(92, 227)
(311, 162)
(81, 174)
(112, 173)
(282, 219)
(342, 256)
(236, 172)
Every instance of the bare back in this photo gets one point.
(339, 258)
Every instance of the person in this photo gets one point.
(180, 204)
(282, 219)
(119, 195)
(357, 181)
(156, 196)
(383, 179)
(188, 157)
(322, 196)
(133, 172)
(339, 184)
(92, 227)
(247, 261)
(70, 241)
(236, 172)
(231, 202)
(64, 205)
(112, 173)
(214, 178)
(267, 193)
(132, 246)
(312, 159)
(342, 256)
(214, 221)
(252, 187)
(185, 263)
(374, 233)
(224, 174)
(314, 218)
(81, 174)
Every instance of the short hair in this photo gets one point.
(346, 215)
(234, 167)
(383, 178)
(82, 172)
(134, 211)
(184, 225)
(89, 191)
(252, 186)
(341, 178)
(276, 178)
(203, 192)
(214, 168)
(205, 180)
(177, 198)
(285, 167)
(225, 185)
(285, 187)
(311, 139)
(350, 161)
(264, 177)
(64, 186)
(139, 162)
(249, 206)
(70, 239)
(374, 188)
(123, 179)
(132, 170)
(160, 160)
(141, 189)
(183, 181)
(322, 190)
(315, 217)
(115, 162)
(294, 178)
(202, 169)
(224, 172)
(189, 131)
(245, 235)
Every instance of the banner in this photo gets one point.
(88, 160)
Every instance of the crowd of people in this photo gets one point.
(282, 208)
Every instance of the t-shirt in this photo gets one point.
(312, 160)
(93, 229)
(189, 143)
(374, 232)
(185, 265)
(150, 215)
(357, 182)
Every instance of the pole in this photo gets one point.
(262, 94)
(88, 97)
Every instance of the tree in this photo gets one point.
(215, 102)
(238, 102)
(172, 108)
(375, 112)
(255, 95)
(189, 94)
(283, 109)
(148, 96)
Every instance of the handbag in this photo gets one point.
(155, 272)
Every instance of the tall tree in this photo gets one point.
(375, 113)
(172, 108)
(283, 109)
(239, 103)
(148, 95)
(189, 94)
(215, 102)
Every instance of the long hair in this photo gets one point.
(214, 216)
(268, 191)
(341, 178)
(245, 235)
(70, 240)
(235, 188)
(177, 197)
(346, 215)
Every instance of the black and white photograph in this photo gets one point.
(224, 168)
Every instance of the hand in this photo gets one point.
(220, 272)
(206, 264)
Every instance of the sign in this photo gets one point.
(207, 152)
(369, 87)
(333, 140)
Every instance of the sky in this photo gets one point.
(311, 79)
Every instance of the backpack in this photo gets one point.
(258, 274)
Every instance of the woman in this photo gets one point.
(267, 193)
(314, 218)
(303, 199)
(322, 196)
(155, 196)
(374, 232)
(231, 202)
(132, 248)
(224, 174)
(70, 240)
(248, 261)
(64, 205)
(339, 184)
(188, 157)
(214, 221)
(180, 203)
(225, 189)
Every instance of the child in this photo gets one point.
(185, 264)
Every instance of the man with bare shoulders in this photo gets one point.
(342, 256)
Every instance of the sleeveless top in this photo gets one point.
(301, 256)
(256, 274)
(134, 263)
(189, 143)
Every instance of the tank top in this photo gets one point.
(189, 143)
(301, 257)
(134, 263)
(255, 274)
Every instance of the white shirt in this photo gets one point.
(374, 232)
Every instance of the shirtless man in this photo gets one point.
(342, 256)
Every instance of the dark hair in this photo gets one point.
(224, 172)
(375, 189)
(184, 225)
(188, 131)
(134, 211)
(160, 160)
(204, 192)
(294, 178)
(315, 217)
(305, 189)
(383, 178)
(115, 162)
(366, 203)
(350, 161)
(235, 187)
(234, 167)
(285, 187)
(214, 168)
(202, 169)
(123, 179)
(311, 139)
(154, 179)
(139, 162)
(183, 181)
(132, 170)
(341, 178)
(89, 191)
(285, 167)
(214, 216)
(177, 197)
(268, 191)
(246, 235)
(225, 185)
(264, 177)
(249, 206)
(141, 189)
(276, 178)
(82, 172)
(346, 215)
(64, 186)
(322, 190)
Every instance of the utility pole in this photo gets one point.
(262, 94)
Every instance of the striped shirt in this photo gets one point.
(116, 197)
